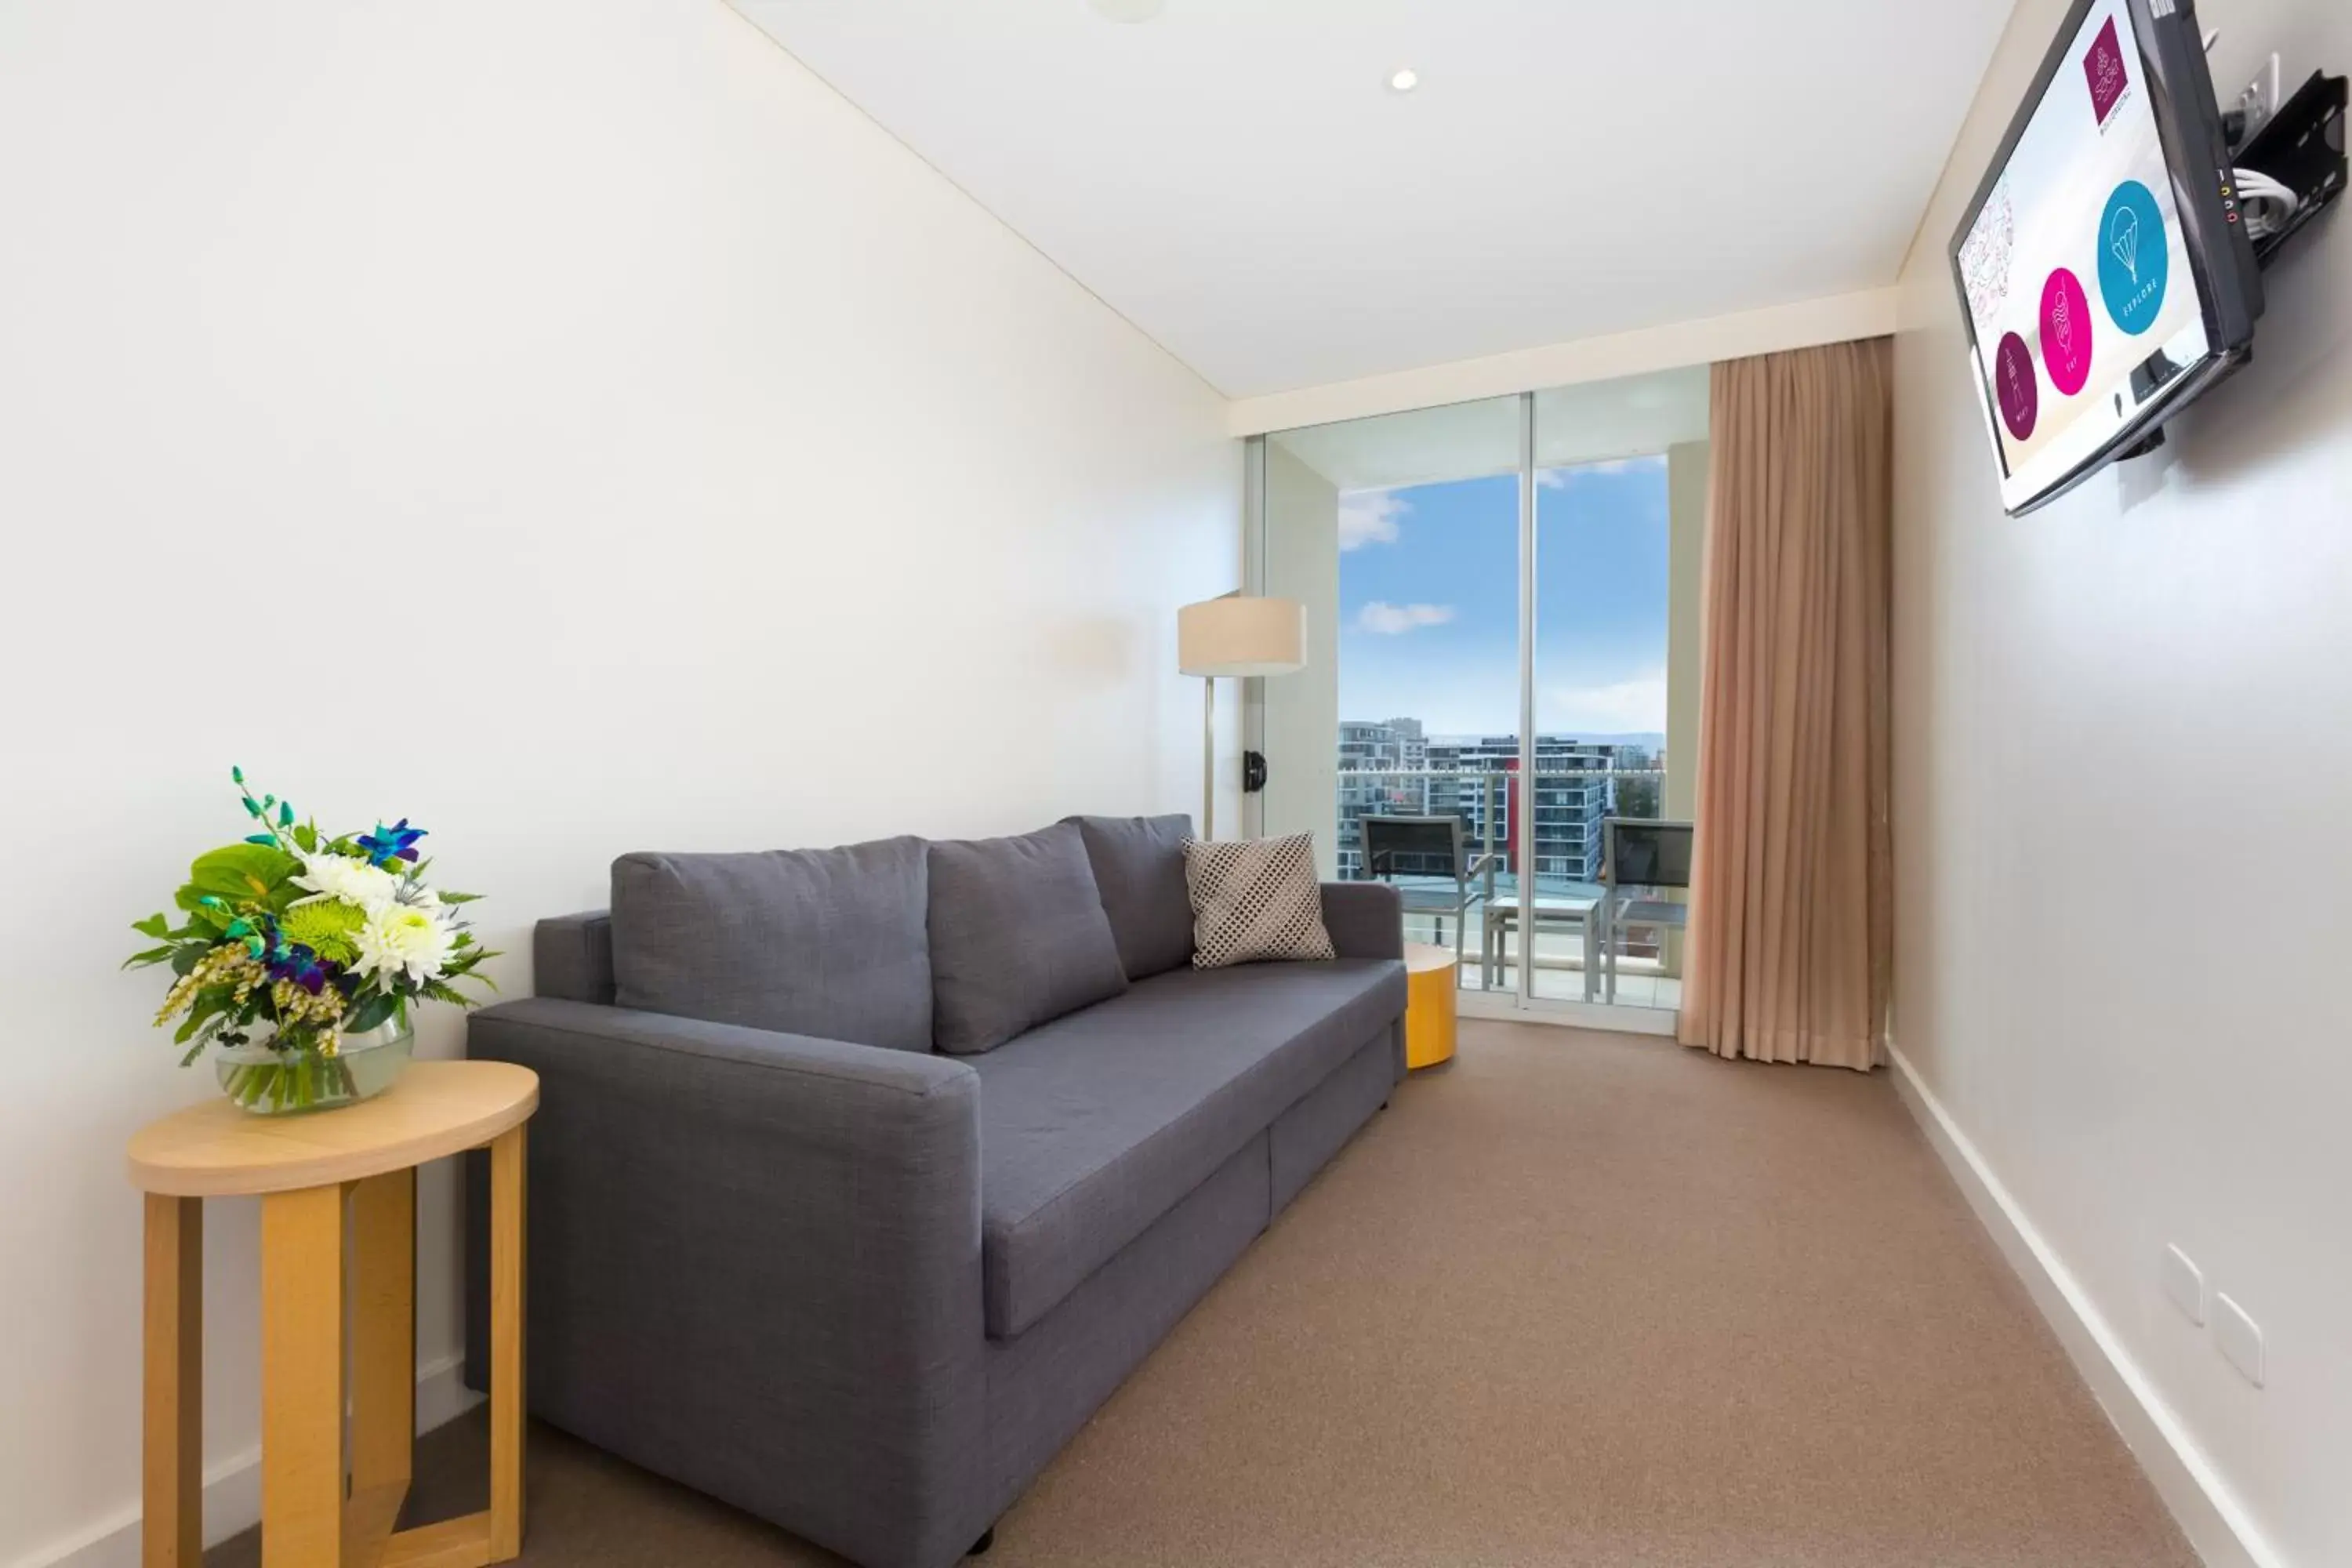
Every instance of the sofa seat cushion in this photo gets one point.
(1097, 1123)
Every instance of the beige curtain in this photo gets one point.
(1790, 917)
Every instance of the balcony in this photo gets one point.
(1569, 807)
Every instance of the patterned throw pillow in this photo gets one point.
(1254, 898)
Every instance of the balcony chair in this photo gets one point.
(1430, 846)
(1639, 855)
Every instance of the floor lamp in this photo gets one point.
(1235, 637)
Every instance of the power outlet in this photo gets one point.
(2184, 1284)
(2238, 1337)
(2260, 100)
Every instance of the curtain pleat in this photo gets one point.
(1790, 926)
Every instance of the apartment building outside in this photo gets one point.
(1394, 768)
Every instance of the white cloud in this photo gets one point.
(1369, 517)
(1393, 620)
(1615, 707)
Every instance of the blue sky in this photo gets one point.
(1429, 602)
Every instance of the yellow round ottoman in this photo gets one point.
(1429, 1005)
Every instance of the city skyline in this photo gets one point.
(1393, 768)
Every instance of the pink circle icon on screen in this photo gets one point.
(2013, 385)
(2065, 332)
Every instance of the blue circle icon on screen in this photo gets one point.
(2133, 258)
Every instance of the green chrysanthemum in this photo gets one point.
(325, 927)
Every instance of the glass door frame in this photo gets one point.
(1521, 1001)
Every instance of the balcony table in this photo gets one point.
(1503, 914)
(329, 1179)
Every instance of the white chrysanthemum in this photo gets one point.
(404, 939)
(345, 876)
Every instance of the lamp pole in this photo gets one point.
(1208, 756)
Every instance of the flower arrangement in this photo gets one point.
(308, 938)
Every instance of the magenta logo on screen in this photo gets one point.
(2065, 332)
(2105, 68)
(2012, 377)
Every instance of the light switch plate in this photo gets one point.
(2184, 1285)
(2240, 1337)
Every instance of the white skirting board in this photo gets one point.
(2209, 1513)
(1566, 1014)
(233, 1487)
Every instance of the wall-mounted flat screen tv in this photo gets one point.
(2104, 269)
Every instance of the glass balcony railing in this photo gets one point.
(1581, 948)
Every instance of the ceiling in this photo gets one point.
(1237, 179)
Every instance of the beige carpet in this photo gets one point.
(1574, 1299)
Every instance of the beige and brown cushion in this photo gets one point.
(1254, 900)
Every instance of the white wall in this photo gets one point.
(1302, 711)
(569, 425)
(1687, 478)
(2122, 770)
(1835, 318)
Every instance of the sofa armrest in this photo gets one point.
(1366, 919)
(754, 1265)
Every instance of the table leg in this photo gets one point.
(384, 1356)
(506, 1236)
(302, 1378)
(172, 1486)
(1591, 924)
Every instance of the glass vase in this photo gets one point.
(271, 1082)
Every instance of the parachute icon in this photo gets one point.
(2123, 238)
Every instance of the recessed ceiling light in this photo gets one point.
(1129, 10)
(1404, 81)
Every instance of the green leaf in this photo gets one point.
(212, 999)
(306, 838)
(154, 925)
(204, 1038)
(369, 1014)
(186, 958)
(153, 955)
(209, 921)
(459, 897)
(249, 873)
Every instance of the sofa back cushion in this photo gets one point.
(1018, 936)
(830, 943)
(1138, 866)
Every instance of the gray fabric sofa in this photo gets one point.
(862, 1289)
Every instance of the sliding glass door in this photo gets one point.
(1502, 652)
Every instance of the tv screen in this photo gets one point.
(2105, 275)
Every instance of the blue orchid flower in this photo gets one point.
(304, 967)
(386, 844)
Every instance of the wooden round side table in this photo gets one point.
(328, 1180)
(1429, 1024)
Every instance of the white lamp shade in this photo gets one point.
(1235, 637)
